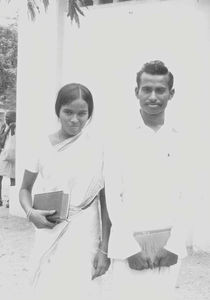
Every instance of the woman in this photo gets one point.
(71, 254)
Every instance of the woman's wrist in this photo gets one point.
(29, 212)
(103, 247)
(102, 251)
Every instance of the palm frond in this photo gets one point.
(32, 9)
(46, 4)
(78, 9)
(74, 9)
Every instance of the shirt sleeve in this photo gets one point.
(177, 241)
(122, 244)
(182, 224)
(182, 227)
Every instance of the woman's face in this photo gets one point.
(73, 117)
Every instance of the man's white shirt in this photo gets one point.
(144, 183)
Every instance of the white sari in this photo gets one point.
(63, 256)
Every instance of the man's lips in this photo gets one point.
(153, 104)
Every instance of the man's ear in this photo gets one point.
(136, 91)
(172, 92)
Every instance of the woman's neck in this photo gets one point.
(58, 137)
(62, 135)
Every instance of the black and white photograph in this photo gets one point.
(104, 149)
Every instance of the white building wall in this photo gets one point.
(105, 53)
(114, 41)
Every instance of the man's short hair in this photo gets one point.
(155, 67)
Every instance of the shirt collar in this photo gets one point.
(164, 128)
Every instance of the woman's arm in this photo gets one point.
(101, 262)
(105, 222)
(25, 196)
(37, 217)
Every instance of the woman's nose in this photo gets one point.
(74, 118)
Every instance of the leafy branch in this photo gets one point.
(73, 8)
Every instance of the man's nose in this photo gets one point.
(153, 97)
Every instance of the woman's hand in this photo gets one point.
(101, 264)
(39, 218)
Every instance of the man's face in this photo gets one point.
(154, 93)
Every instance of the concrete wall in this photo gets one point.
(105, 53)
(115, 40)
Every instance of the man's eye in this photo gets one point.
(146, 89)
(160, 90)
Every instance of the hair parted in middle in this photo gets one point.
(71, 92)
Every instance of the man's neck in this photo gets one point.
(155, 122)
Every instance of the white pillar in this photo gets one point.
(40, 47)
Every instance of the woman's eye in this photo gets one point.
(68, 112)
(81, 114)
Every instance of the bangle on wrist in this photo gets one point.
(102, 251)
(29, 212)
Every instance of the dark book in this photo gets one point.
(58, 201)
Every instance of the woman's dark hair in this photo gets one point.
(71, 92)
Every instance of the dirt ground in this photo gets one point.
(17, 236)
(16, 244)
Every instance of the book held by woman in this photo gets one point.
(58, 201)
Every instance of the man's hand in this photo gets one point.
(165, 258)
(101, 264)
(139, 262)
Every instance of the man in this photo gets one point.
(143, 192)
(7, 165)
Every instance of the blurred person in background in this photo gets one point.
(7, 155)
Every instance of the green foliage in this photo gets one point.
(8, 66)
(34, 7)
(73, 8)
